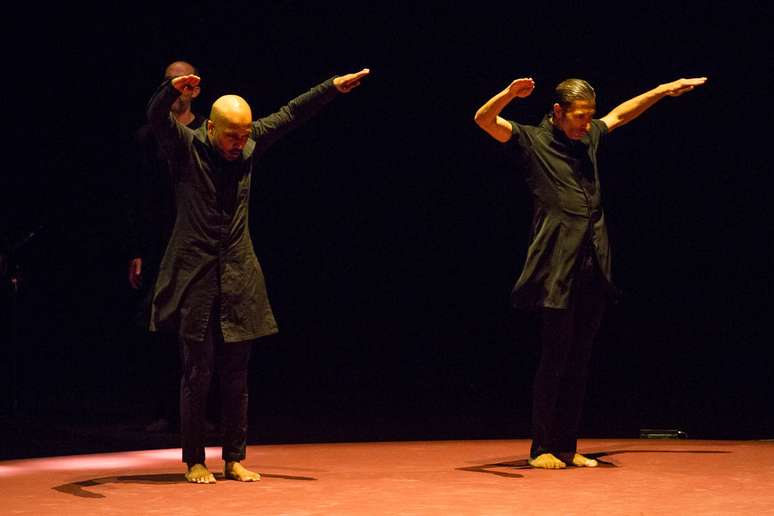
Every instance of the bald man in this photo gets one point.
(210, 291)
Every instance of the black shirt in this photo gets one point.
(563, 179)
(152, 200)
(210, 256)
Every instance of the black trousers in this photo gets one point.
(165, 370)
(559, 388)
(199, 360)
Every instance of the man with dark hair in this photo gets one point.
(567, 270)
(210, 291)
(151, 217)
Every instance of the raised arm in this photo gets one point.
(487, 117)
(163, 124)
(632, 108)
(269, 129)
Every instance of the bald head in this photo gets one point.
(179, 68)
(231, 110)
(230, 125)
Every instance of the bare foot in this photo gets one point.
(199, 474)
(547, 461)
(584, 462)
(235, 471)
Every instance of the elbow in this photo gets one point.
(480, 119)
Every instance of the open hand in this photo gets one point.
(680, 86)
(186, 82)
(346, 83)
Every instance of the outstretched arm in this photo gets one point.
(487, 117)
(632, 108)
(269, 129)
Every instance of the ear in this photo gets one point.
(210, 126)
(557, 111)
(196, 92)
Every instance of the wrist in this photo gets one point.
(510, 94)
(663, 90)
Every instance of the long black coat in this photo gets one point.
(210, 256)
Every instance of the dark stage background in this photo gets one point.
(390, 228)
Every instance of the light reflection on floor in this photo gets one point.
(101, 461)
(420, 477)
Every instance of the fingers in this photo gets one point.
(347, 82)
(681, 86)
(186, 82)
(135, 273)
(353, 79)
(697, 81)
(680, 90)
(523, 86)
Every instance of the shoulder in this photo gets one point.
(598, 130)
(197, 122)
(522, 133)
(599, 127)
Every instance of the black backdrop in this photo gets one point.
(390, 228)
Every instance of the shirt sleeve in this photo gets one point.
(172, 136)
(598, 129)
(269, 129)
(517, 134)
(517, 147)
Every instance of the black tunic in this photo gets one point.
(151, 202)
(151, 214)
(563, 179)
(210, 256)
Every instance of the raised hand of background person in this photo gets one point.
(135, 273)
(346, 83)
(186, 82)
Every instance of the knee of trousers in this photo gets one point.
(197, 375)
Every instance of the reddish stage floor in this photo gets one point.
(429, 477)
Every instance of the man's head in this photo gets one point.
(574, 107)
(230, 125)
(183, 102)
